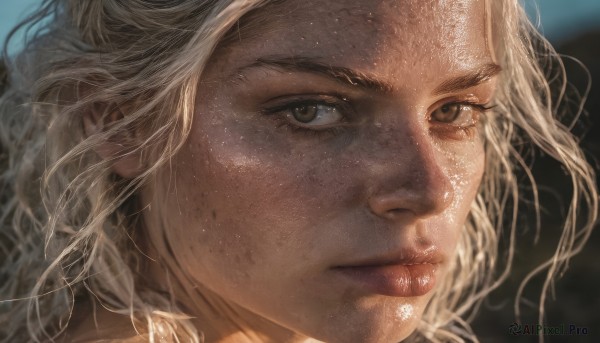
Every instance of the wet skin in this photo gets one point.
(334, 135)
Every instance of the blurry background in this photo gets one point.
(11, 11)
(560, 19)
(574, 28)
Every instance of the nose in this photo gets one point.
(410, 177)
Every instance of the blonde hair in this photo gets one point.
(69, 224)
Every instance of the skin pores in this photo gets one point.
(302, 195)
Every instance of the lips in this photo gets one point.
(411, 274)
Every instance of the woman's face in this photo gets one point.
(334, 156)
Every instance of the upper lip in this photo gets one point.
(405, 256)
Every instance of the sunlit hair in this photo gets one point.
(70, 225)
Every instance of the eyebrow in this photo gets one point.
(470, 79)
(311, 65)
(357, 79)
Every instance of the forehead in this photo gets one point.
(375, 36)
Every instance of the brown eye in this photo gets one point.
(305, 113)
(448, 113)
(314, 116)
(457, 114)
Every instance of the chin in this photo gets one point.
(387, 320)
(387, 333)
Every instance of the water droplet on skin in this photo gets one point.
(370, 17)
(446, 196)
(404, 312)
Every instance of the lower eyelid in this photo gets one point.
(309, 132)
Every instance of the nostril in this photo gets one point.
(390, 206)
(415, 200)
(421, 186)
(396, 212)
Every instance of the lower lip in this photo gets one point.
(397, 280)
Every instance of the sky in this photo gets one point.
(11, 11)
(563, 19)
(560, 19)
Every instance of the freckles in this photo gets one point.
(248, 257)
(331, 183)
(242, 261)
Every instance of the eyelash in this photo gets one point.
(343, 106)
(480, 109)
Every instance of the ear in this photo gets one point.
(126, 161)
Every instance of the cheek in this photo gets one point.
(241, 205)
(465, 171)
